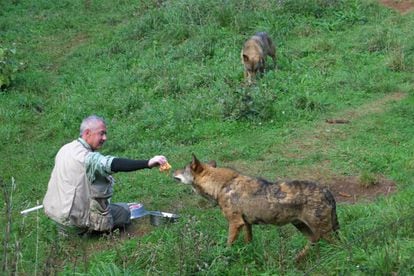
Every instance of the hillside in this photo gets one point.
(167, 76)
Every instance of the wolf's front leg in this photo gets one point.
(234, 229)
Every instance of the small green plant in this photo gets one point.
(396, 60)
(368, 179)
(10, 252)
(8, 66)
(249, 104)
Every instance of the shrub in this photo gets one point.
(251, 103)
(8, 66)
(368, 179)
(396, 61)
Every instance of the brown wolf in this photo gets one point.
(245, 200)
(254, 53)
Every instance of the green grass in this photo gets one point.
(167, 77)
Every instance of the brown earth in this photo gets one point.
(402, 6)
(351, 189)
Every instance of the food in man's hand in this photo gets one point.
(165, 167)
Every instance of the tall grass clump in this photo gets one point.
(9, 66)
(11, 256)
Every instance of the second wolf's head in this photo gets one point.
(254, 53)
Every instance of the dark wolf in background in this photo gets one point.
(254, 53)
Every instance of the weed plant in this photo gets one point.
(167, 77)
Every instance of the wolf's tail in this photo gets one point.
(335, 223)
(331, 199)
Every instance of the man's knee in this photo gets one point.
(120, 214)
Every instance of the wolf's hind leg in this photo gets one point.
(304, 252)
(313, 237)
(248, 233)
(303, 228)
(331, 237)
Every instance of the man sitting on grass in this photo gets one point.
(80, 186)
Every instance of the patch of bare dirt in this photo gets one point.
(138, 228)
(373, 107)
(347, 189)
(351, 189)
(60, 51)
(402, 6)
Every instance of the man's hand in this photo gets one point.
(157, 161)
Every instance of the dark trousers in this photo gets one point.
(120, 214)
(121, 218)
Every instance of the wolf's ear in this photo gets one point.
(195, 158)
(196, 165)
(245, 58)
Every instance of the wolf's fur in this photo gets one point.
(254, 53)
(245, 201)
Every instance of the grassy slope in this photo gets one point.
(169, 80)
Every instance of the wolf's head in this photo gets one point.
(192, 170)
(252, 65)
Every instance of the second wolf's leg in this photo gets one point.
(274, 62)
(272, 53)
(248, 77)
(248, 233)
(262, 65)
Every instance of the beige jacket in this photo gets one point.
(78, 194)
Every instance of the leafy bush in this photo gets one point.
(316, 8)
(8, 66)
(368, 179)
(249, 104)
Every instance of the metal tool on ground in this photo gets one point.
(157, 218)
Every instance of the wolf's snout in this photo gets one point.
(177, 176)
